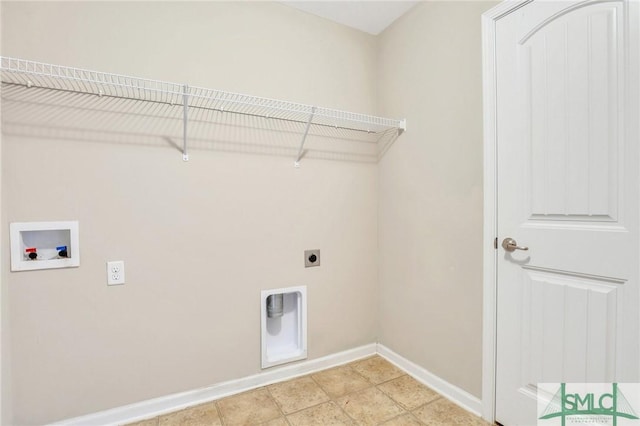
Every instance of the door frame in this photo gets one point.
(489, 252)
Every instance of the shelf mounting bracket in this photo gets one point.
(402, 126)
(304, 138)
(185, 119)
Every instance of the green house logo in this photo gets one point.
(588, 407)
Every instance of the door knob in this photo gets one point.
(509, 244)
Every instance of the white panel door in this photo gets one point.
(567, 172)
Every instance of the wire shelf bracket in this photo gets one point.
(402, 126)
(304, 138)
(185, 122)
(198, 101)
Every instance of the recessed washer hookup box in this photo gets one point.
(44, 245)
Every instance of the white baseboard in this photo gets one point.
(166, 404)
(444, 388)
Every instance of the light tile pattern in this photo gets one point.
(366, 392)
(408, 392)
(340, 381)
(370, 406)
(148, 422)
(377, 369)
(249, 408)
(200, 415)
(324, 414)
(297, 394)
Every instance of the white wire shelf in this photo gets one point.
(198, 103)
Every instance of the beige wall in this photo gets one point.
(5, 402)
(199, 239)
(238, 223)
(430, 191)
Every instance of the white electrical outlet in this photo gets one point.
(115, 272)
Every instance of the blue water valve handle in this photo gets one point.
(62, 251)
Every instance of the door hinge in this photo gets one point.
(495, 243)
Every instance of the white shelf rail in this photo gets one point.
(27, 73)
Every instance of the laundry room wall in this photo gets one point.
(5, 394)
(199, 239)
(430, 191)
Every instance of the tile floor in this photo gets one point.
(366, 392)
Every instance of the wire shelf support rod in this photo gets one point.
(185, 122)
(304, 138)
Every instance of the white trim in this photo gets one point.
(489, 306)
(166, 404)
(3, 296)
(453, 393)
(157, 406)
(490, 225)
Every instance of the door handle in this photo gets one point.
(509, 244)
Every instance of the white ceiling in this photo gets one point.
(368, 16)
